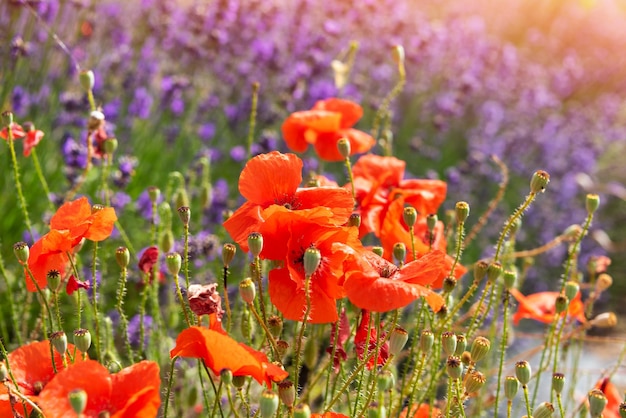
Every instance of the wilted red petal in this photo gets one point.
(73, 285)
(33, 138)
(16, 130)
(148, 259)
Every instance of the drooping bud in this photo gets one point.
(543, 410)
(228, 254)
(268, 404)
(21, 251)
(448, 342)
(474, 382)
(604, 320)
(558, 382)
(343, 146)
(427, 339)
(399, 252)
(523, 372)
(287, 392)
(247, 290)
(184, 212)
(206, 195)
(592, 202)
(454, 367)
(462, 210)
(480, 348)
(167, 240)
(82, 339)
(173, 261)
(597, 402)
(58, 340)
(255, 243)
(122, 256)
(511, 386)
(181, 198)
(87, 80)
(409, 215)
(78, 400)
(539, 181)
(312, 259)
(397, 340)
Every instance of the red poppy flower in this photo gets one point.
(381, 286)
(33, 138)
(360, 341)
(541, 307)
(270, 181)
(132, 392)
(420, 411)
(148, 260)
(613, 395)
(31, 366)
(73, 285)
(219, 352)
(16, 130)
(73, 222)
(325, 124)
(329, 415)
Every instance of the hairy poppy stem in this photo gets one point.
(268, 333)
(94, 301)
(12, 313)
(516, 215)
(305, 318)
(170, 380)
(253, 115)
(503, 346)
(18, 183)
(42, 178)
(121, 293)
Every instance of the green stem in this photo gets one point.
(121, 293)
(42, 178)
(517, 214)
(503, 345)
(183, 305)
(18, 184)
(94, 301)
(305, 318)
(9, 301)
(253, 112)
(459, 246)
(170, 380)
(528, 410)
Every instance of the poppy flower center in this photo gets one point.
(387, 271)
(37, 387)
(288, 201)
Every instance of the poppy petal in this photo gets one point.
(143, 402)
(71, 214)
(102, 223)
(350, 111)
(270, 178)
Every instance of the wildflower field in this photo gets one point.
(249, 208)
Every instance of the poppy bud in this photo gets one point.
(511, 386)
(539, 181)
(239, 381)
(523, 372)
(385, 380)
(78, 400)
(310, 353)
(431, 222)
(454, 367)
(509, 277)
(466, 358)
(82, 339)
(597, 402)
(59, 341)
(206, 195)
(448, 342)
(397, 340)
(228, 254)
(622, 410)
(275, 325)
(427, 339)
(461, 344)
(282, 347)
(560, 304)
(287, 392)
(462, 210)
(96, 120)
(558, 382)
(227, 376)
(397, 53)
(474, 382)
(449, 283)
(247, 325)
(167, 240)
(571, 289)
(480, 348)
(87, 80)
(7, 118)
(572, 233)
(54, 280)
(173, 261)
(494, 271)
(302, 411)
(603, 282)
(110, 145)
(480, 269)
(154, 193)
(592, 202)
(379, 251)
(255, 243)
(354, 220)
(184, 212)
(604, 320)
(122, 256)
(247, 290)
(343, 145)
(543, 410)
(312, 259)
(409, 215)
(21, 251)
(399, 252)
(268, 404)
(376, 411)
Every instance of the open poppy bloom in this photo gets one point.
(31, 365)
(420, 411)
(326, 123)
(73, 222)
(32, 139)
(541, 307)
(329, 415)
(131, 392)
(269, 182)
(219, 352)
(381, 286)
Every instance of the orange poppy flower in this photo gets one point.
(16, 130)
(132, 392)
(219, 352)
(326, 123)
(69, 225)
(270, 181)
(380, 286)
(329, 415)
(31, 366)
(613, 395)
(422, 411)
(541, 307)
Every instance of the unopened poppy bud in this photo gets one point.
(622, 410)
(268, 404)
(603, 282)
(122, 256)
(255, 243)
(247, 325)
(409, 215)
(78, 400)
(302, 411)
(287, 392)
(511, 386)
(7, 118)
(312, 259)
(399, 252)
(572, 233)
(516, 225)
(310, 354)
(228, 254)
(509, 277)
(206, 195)
(275, 325)
(604, 320)
(474, 381)
(154, 193)
(376, 411)
(226, 375)
(480, 269)
(397, 53)
(462, 210)
(343, 145)
(454, 367)
(282, 347)
(192, 396)
(480, 348)
(461, 344)
(239, 381)
(539, 181)
(95, 121)
(431, 222)
(571, 289)
(87, 80)
(397, 340)
(54, 280)
(354, 220)
(449, 283)
(543, 410)
(597, 402)
(448, 342)
(379, 251)
(494, 271)
(110, 146)
(466, 358)
(21, 251)
(247, 290)
(385, 380)
(167, 240)
(427, 339)
(592, 202)
(59, 341)
(561, 303)
(558, 382)
(523, 372)
(184, 212)
(173, 261)
(82, 339)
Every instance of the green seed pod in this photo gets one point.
(449, 283)
(427, 339)
(474, 382)
(227, 376)
(78, 400)
(622, 410)
(571, 289)
(509, 277)
(462, 210)
(603, 282)
(82, 339)
(282, 347)
(378, 251)
(287, 392)
(21, 251)
(448, 342)
(543, 410)
(539, 181)
(110, 146)
(268, 404)
(87, 80)
(302, 411)
(494, 271)
(58, 340)
(312, 259)
(255, 243)
(275, 325)
(561, 303)
(431, 222)
(54, 280)
(247, 290)
(228, 254)
(385, 381)
(354, 220)
(511, 386)
(592, 202)
(397, 340)
(173, 261)
(122, 256)
(376, 411)
(344, 148)
(239, 381)
(597, 402)
(184, 213)
(480, 269)
(409, 214)
(523, 372)
(480, 348)
(399, 252)
(558, 382)
(461, 344)
(7, 118)
(454, 367)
